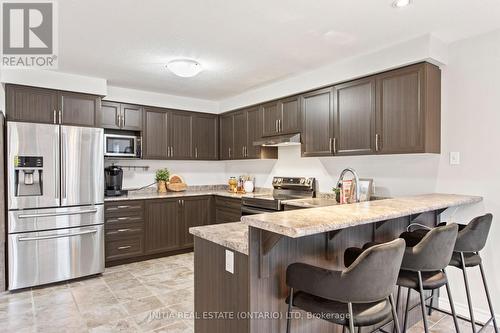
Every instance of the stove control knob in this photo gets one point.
(302, 181)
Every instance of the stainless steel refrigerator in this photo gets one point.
(55, 201)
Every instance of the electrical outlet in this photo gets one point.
(454, 158)
(230, 261)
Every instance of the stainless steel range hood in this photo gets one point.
(279, 141)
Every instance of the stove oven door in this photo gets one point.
(246, 210)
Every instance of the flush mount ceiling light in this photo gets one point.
(401, 3)
(184, 67)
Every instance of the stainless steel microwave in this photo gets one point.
(122, 146)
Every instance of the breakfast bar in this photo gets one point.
(240, 267)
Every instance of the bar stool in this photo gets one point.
(471, 240)
(363, 290)
(423, 267)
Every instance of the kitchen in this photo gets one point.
(398, 114)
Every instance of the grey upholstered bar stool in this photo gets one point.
(424, 264)
(363, 290)
(471, 240)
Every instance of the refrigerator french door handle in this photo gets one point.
(87, 211)
(63, 166)
(25, 239)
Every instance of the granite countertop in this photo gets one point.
(152, 194)
(299, 223)
(234, 235)
(310, 202)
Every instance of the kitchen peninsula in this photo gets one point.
(240, 267)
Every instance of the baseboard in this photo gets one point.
(480, 315)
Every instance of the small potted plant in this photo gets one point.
(337, 191)
(162, 176)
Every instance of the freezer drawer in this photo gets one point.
(54, 218)
(37, 258)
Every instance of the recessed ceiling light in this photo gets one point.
(401, 3)
(184, 67)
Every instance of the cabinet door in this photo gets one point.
(400, 117)
(30, 104)
(205, 139)
(79, 109)
(290, 115)
(254, 129)
(226, 137)
(155, 136)
(161, 225)
(317, 116)
(354, 118)
(195, 212)
(131, 117)
(271, 114)
(109, 115)
(181, 129)
(240, 134)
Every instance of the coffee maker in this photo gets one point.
(113, 176)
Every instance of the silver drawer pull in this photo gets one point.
(25, 239)
(124, 247)
(28, 216)
(123, 230)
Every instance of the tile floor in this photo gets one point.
(149, 296)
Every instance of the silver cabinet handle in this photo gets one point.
(279, 126)
(24, 239)
(276, 126)
(124, 247)
(28, 216)
(172, 151)
(334, 145)
(196, 152)
(243, 151)
(60, 116)
(123, 120)
(229, 152)
(330, 148)
(376, 142)
(55, 117)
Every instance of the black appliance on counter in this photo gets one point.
(284, 188)
(113, 177)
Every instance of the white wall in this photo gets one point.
(470, 125)
(141, 97)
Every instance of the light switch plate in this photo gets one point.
(454, 158)
(230, 261)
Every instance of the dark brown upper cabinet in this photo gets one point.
(121, 116)
(156, 134)
(281, 117)
(317, 123)
(205, 136)
(226, 137)
(49, 106)
(240, 135)
(354, 118)
(181, 134)
(270, 116)
(79, 109)
(408, 110)
(254, 132)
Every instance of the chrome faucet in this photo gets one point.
(356, 180)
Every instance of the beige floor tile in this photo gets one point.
(50, 289)
(17, 307)
(120, 326)
(128, 295)
(18, 322)
(12, 297)
(177, 296)
(89, 297)
(176, 327)
(73, 324)
(142, 305)
(94, 281)
(101, 315)
(151, 320)
(57, 297)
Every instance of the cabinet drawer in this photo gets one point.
(124, 248)
(114, 222)
(228, 203)
(134, 207)
(227, 215)
(120, 233)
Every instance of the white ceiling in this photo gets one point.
(244, 44)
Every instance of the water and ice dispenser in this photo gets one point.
(28, 175)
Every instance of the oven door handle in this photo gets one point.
(24, 239)
(245, 210)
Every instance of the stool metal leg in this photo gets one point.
(343, 329)
(398, 296)
(289, 312)
(351, 318)
(495, 327)
(405, 319)
(394, 314)
(467, 290)
(422, 301)
(452, 305)
(431, 302)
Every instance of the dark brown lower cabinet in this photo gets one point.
(227, 210)
(141, 229)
